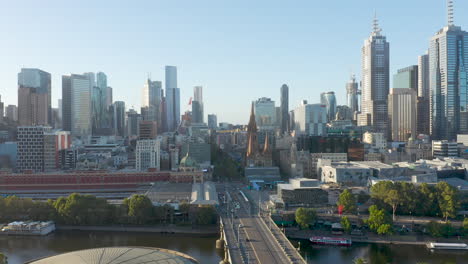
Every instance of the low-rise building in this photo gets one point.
(346, 173)
(268, 175)
(444, 148)
(301, 192)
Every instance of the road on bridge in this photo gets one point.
(257, 242)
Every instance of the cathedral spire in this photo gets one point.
(266, 146)
(252, 127)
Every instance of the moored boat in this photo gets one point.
(334, 241)
(434, 245)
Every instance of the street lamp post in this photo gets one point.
(238, 233)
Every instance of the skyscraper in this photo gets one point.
(152, 101)
(172, 99)
(34, 97)
(12, 112)
(424, 91)
(66, 103)
(2, 108)
(375, 81)
(197, 112)
(198, 97)
(119, 118)
(78, 88)
(423, 76)
(101, 114)
(407, 78)
(284, 109)
(133, 123)
(448, 55)
(212, 121)
(265, 114)
(329, 100)
(352, 94)
(310, 119)
(402, 113)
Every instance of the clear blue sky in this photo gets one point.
(237, 50)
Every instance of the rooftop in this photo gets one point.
(128, 255)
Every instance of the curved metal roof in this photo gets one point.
(123, 255)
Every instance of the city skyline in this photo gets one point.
(220, 78)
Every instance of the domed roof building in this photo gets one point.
(128, 255)
(188, 163)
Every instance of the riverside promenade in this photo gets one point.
(162, 229)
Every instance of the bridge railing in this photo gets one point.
(286, 245)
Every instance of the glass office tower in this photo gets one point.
(448, 57)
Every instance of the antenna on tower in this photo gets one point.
(450, 12)
(376, 28)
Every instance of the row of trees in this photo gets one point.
(408, 199)
(425, 200)
(78, 209)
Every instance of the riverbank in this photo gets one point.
(161, 229)
(373, 238)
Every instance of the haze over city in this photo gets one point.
(238, 51)
(234, 132)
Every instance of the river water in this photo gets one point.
(21, 249)
(380, 253)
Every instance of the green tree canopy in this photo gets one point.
(348, 201)
(206, 215)
(78, 209)
(305, 217)
(448, 199)
(359, 261)
(436, 229)
(378, 219)
(3, 258)
(346, 224)
(140, 208)
(393, 199)
(427, 200)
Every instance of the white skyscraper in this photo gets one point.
(152, 101)
(375, 81)
(81, 122)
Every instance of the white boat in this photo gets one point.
(433, 245)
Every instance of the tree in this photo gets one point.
(378, 218)
(448, 199)
(465, 226)
(305, 216)
(359, 261)
(409, 197)
(78, 209)
(427, 201)
(362, 197)
(346, 224)
(348, 201)
(206, 215)
(393, 199)
(384, 229)
(3, 258)
(140, 208)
